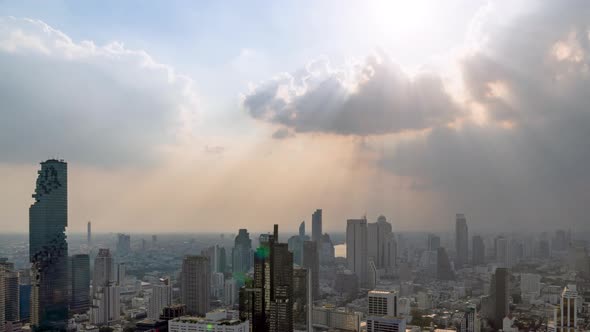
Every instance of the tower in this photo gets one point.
(311, 261)
(356, 248)
(195, 284)
(80, 278)
(48, 248)
(461, 240)
(316, 226)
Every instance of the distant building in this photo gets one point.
(327, 253)
(106, 305)
(461, 240)
(339, 319)
(230, 293)
(500, 292)
(242, 253)
(123, 244)
(316, 226)
(568, 308)
(216, 321)
(121, 274)
(48, 248)
(161, 298)
(444, 270)
(478, 251)
(195, 284)
(346, 282)
(356, 248)
(311, 261)
(433, 242)
(385, 324)
(378, 234)
(89, 234)
(301, 299)
(469, 320)
(80, 280)
(530, 284)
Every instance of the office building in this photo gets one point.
(80, 279)
(500, 293)
(339, 319)
(242, 253)
(461, 240)
(378, 235)
(327, 252)
(444, 271)
(104, 274)
(469, 320)
(48, 248)
(195, 284)
(433, 242)
(230, 292)
(161, 297)
(123, 244)
(346, 283)
(301, 298)
(530, 284)
(217, 285)
(121, 274)
(568, 308)
(356, 248)
(382, 303)
(385, 324)
(311, 261)
(478, 251)
(316, 226)
(173, 311)
(216, 321)
(24, 292)
(105, 307)
(9, 290)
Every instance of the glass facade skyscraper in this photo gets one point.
(80, 277)
(48, 249)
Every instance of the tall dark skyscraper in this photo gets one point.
(80, 278)
(9, 291)
(267, 301)
(311, 261)
(316, 226)
(461, 240)
(195, 284)
(241, 255)
(478, 251)
(89, 234)
(500, 290)
(443, 266)
(123, 244)
(48, 248)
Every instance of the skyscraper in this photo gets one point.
(316, 226)
(568, 308)
(123, 244)
(161, 297)
(461, 240)
(106, 306)
(241, 255)
(433, 242)
(378, 233)
(356, 248)
(104, 273)
(89, 234)
(311, 261)
(48, 249)
(478, 251)
(80, 278)
(500, 292)
(443, 266)
(195, 284)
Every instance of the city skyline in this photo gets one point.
(195, 117)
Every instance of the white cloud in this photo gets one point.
(95, 104)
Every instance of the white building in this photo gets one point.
(530, 284)
(106, 306)
(217, 284)
(382, 303)
(230, 292)
(328, 317)
(385, 324)
(215, 321)
(404, 306)
(161, 297)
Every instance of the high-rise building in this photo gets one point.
(356, 248)
(568, 308)
(48, 248)
(327, 252)
(161, 298)
(500, 292)
(121, 274)
(382, 303)
(530, 284)
(106, 305)
(80, 278)
(461, 240)
(433, 242)
(443, 266)
(242, 254)
(377, 248)
(230, 292)
(469, 320)
(195, 284)
(316, 226)
(301, 302)
(10, 288)
(104, 274)
(123, 244)
(89, 234)
(267, 301)
(311, 261)
(2, 298)
(478, 251)
(503, 253)
(24, 290)
(217, 285)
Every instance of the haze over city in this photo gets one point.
(177, 117)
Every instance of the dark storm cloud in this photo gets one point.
(534, 74)
(103, 105)
(372, 98)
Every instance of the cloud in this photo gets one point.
(528, 163)
(371, 98)
(101, 105)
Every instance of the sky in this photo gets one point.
(208, 116)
